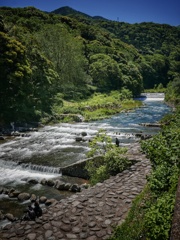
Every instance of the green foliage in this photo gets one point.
(160, 60)
(161, 178)
(159, 216)
(98, 106)
(115, 160)
(65, 52)
(133, 228)
(15, 77)
(100, 144)
(77, 55)
(99, 174)
(164, 147)
(110, 160)
(151, 214)
(172, 93)
(106, 72)
(159, 74)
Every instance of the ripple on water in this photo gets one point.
(57, 146)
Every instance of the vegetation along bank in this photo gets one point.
(151, 214)
(49, 59)
(51, 63)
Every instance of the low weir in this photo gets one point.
(91, 213)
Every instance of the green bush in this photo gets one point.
(115, 161)
(100, 174)
(164, 147)
(133, 228)
(151, 214)
(160, 179)
(111, 159)
(158, 218)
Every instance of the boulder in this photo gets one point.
(11, 190)
(139, 135)
(50, 182)
(1, 215)
(43, 181)
(85, 186)
(5, 191)
(79, 139)
(42, 199)
(84, 134)
(14, 194)
(62, 185)
(75, 188)
(16, 134)
(10, 217)
(33, 197)
(145, 136)
(33, 181)
(23, 196)
(50, 201)
(59, 185)
(25, 135)
(67, 186)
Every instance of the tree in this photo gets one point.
(15, 75)
(105, 72)
(159, 66)
(65, 53)
(132, 78)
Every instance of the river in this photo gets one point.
(43, 153)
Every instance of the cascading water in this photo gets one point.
(43, 153)
(53, 147)
(13, 173)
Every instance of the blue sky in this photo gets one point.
(131, 11)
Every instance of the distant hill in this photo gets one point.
(67, 11)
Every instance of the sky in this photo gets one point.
(130, 11)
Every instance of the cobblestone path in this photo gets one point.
(90, 214)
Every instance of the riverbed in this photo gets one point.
(43, 153)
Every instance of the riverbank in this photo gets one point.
(154, 208)
(58, 142)
(98, 107)
(90, 214)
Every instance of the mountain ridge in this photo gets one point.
(68, 11)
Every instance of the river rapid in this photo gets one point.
(43, 153)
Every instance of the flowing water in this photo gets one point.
(44, 153)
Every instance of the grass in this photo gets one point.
(134, 224)
(97, 107)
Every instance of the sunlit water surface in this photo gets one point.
(44, 153)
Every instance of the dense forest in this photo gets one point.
(65, 55)
(49, 59)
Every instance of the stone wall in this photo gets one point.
(78, 169)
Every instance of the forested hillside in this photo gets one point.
(46, 58)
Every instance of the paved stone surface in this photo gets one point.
(90, 214)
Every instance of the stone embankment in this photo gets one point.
(90, 214)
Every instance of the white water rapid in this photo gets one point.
(52, 147)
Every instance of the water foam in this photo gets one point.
(15, 173)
